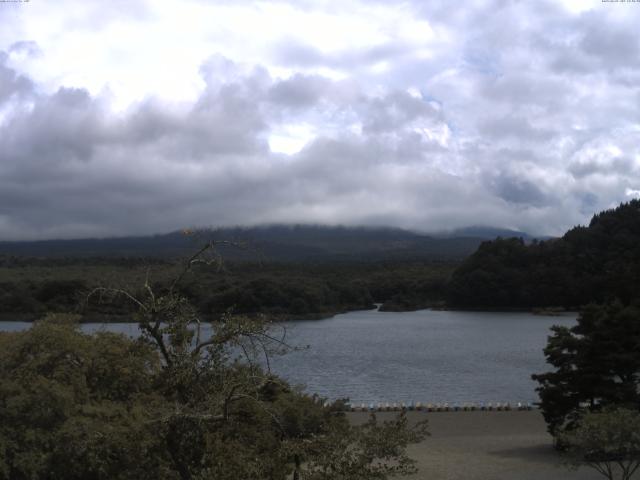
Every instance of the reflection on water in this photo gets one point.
(432, 356)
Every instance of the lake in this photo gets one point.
(426, 356)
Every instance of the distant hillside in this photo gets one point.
(489, 233)
(277, 242)
(588, 264)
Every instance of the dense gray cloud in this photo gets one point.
(520, 191)
(513, 114)
(28, 48)
(11, 83)
(299, 91)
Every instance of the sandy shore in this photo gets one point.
(486, 446)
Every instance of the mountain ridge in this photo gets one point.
(280, 242)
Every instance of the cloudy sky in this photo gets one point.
(134, 117)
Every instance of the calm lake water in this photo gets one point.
(427, 356)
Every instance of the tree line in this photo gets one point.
(282, 290)
(591, 397)
(596, 263)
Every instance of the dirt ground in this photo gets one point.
(511, 445)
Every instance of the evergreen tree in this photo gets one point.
(596, 364)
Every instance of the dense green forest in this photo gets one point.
(31, 287)
(596, 263)
(297, 271)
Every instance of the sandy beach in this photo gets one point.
(511, 445)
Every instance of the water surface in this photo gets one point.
(427, 356)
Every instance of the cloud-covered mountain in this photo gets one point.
(268, 243)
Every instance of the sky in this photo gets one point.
(140, 117)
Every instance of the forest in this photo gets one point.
(32, 287)
(594, 263)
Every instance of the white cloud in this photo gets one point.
(146, 116)
(579, 6)
(290, 139)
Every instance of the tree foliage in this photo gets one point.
(607, 441)
(596, 364)
(187, 400)
(597, 263)
(32, 287)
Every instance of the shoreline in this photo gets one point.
(283, 318)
